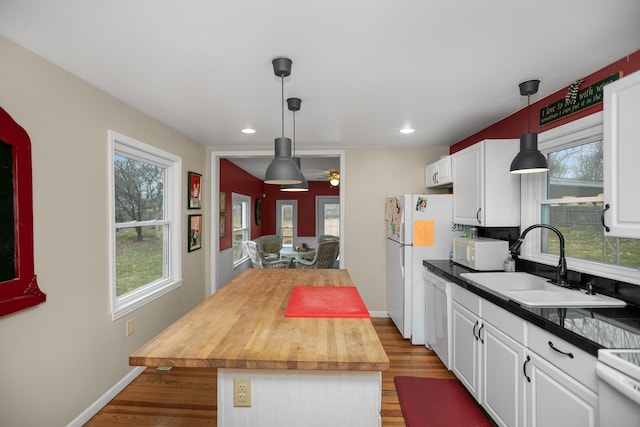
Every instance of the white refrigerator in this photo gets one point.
(419, 227)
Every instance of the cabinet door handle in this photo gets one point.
(480, 333)
(524, 369)
(606, 208)
(474, 330)
(554, 348)
(478, 216)
(435, 179)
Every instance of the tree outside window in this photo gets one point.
(574, 204)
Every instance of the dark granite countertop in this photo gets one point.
(587, 328)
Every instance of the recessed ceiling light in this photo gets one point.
(407, 130)
(248, 130)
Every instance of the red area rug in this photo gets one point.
(431, 402)
(325, 301)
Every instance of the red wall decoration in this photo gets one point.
(22, 291)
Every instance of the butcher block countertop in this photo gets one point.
(243, 326)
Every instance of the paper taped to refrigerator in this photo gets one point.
(423, 232)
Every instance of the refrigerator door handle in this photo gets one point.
(401, 250)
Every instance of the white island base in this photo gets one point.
(294, 398)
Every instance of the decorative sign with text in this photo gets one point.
(582, 99)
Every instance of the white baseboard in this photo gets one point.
(378, 314)
(95, 407)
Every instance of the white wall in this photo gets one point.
(373, 173)
(58, 358)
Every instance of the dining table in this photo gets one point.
(274, 370)
(297, 253)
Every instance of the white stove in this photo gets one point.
(618, 386)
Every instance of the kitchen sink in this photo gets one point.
(535, 291)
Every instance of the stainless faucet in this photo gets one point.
(561, 273)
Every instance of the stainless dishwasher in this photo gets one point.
(438, 301)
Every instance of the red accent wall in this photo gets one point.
(236, 180)
(306, 206)
(516, 124)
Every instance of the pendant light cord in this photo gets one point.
(282, 103)
(294, 133)
(529, 110)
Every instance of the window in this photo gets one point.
(328, 215)
(241, 225)
(287, 221)
(570, 197)
(145, 243)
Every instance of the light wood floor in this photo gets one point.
(187, 396)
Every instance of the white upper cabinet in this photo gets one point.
(485, 192)
(438, 174)
(621, 154)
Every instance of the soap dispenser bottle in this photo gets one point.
(509, 264)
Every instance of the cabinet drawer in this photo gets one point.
(467, 299)
(582, 366)
(506, 322)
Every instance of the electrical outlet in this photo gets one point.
(242, 392)
(129, 327)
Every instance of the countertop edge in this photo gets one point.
(579, 341)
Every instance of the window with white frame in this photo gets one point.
(570, 197)
(287, 221)
(145, 243)
(241, 226)
(328, 215)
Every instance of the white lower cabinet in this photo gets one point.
(563, 383)
(487, 360)
(502, 380)
(520, 374)
(465, 357)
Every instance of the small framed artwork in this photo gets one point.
(223, 202)
(222, 231)
(195, 232)
(195, 190)
(258, 211)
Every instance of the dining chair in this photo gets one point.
(325, 257)
(251, 248)
(270, 245)
(277, 263)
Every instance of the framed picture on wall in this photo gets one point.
(195, 232)
(223, 202)
(222, 231)
(195, 191)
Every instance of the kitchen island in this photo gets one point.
(302, 371)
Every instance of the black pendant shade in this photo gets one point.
(283, 169)
(529, 159)
(301, 186)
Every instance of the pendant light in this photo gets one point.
(294, 105)
(283, 169)
(529, 159)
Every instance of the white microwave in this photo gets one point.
(481, 254)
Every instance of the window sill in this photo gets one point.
(142, 298)
(241, 262)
